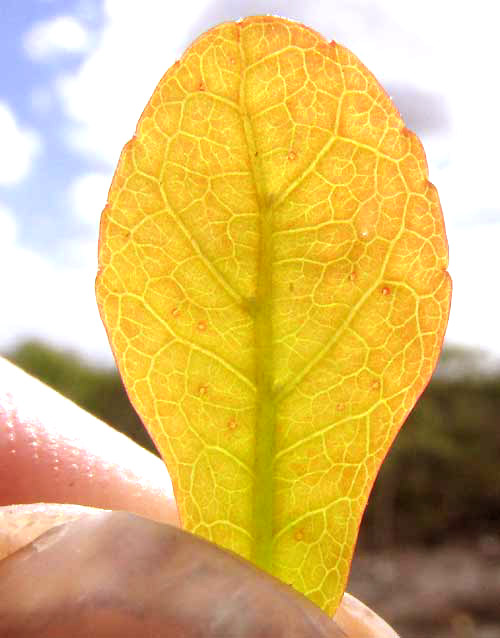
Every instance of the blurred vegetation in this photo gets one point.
(440, 479)
(442, 475)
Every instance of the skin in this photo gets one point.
(53, 452)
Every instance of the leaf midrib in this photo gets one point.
(265, 407)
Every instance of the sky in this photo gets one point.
(75, 76)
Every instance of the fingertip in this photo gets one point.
(53, 451)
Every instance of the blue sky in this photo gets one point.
(76, 74)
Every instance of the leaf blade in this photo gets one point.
(272, 278)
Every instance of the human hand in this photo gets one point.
(112, 573)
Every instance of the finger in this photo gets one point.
(53, 451)
(359, 621)
(136, 577)
(20, 525)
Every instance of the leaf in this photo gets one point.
(272, 279)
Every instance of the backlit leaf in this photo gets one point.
(272, 279)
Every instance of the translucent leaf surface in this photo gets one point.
(272, 279)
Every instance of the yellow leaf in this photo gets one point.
(272, 279)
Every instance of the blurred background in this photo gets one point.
(74, 78)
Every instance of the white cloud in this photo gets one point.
(106, 96)
(8, 228)
(56, 36)
(18, 148)
(41, 298)
(88, 196)
(42, 100)
(475, 309)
